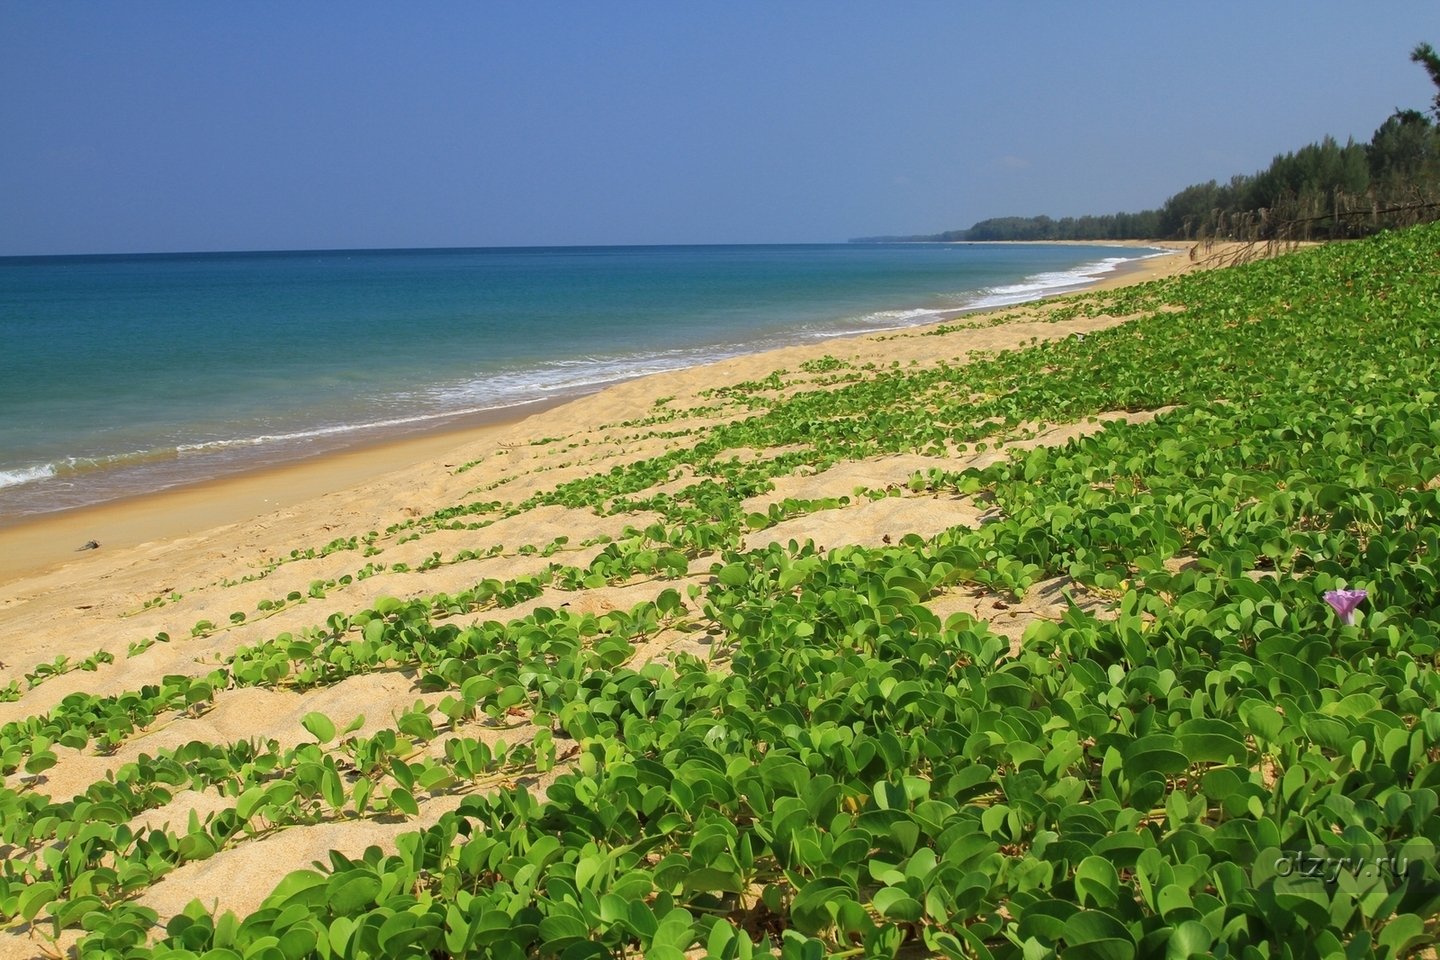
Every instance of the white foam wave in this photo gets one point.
(22, 475)
(882, 320)
(1040, 285)
(69, 467)
(341, 428)
(573, 376)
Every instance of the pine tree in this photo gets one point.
(1425, 55)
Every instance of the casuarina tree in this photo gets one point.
(1425, 55)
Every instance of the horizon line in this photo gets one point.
(284, 251)
(418, 249)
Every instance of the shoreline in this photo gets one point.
(72, 466)
(35, 544)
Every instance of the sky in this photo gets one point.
(157, 126)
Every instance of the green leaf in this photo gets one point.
(808, 910)
(733, 575)
(250, 801)
(1404, 934)
(896, 904)
(352, 891)
(40, 761)
(1263, 720)
(332, 788)
(1189, 939)
(1097, 883)
(36, 897)
(1158, 752)
(711, 880)
(303, 887)
(1210, 740)
(1093, 934)
(321, 727)
(401, 800)
(676, 930)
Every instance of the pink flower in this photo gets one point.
(1345, 602)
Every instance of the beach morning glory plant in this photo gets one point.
(1345, 602)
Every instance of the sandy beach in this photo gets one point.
(183, 563)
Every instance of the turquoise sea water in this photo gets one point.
(124, 374)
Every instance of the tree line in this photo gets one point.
(1323, 190)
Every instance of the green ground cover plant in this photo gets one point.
(845, 773)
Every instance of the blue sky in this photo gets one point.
(166, 126)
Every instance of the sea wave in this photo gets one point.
(340, 429)
(69, 467)
(1040, 285)
(573, 376)
(489, 394)
(20, 475)
(881, 320)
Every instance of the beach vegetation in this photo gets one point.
(823, 364)
(160, 601)
(96, 660)
(140, 646)
(60, 666)
(828, 766)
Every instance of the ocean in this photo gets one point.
(128, 374)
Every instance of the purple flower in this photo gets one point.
(1345, 602)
